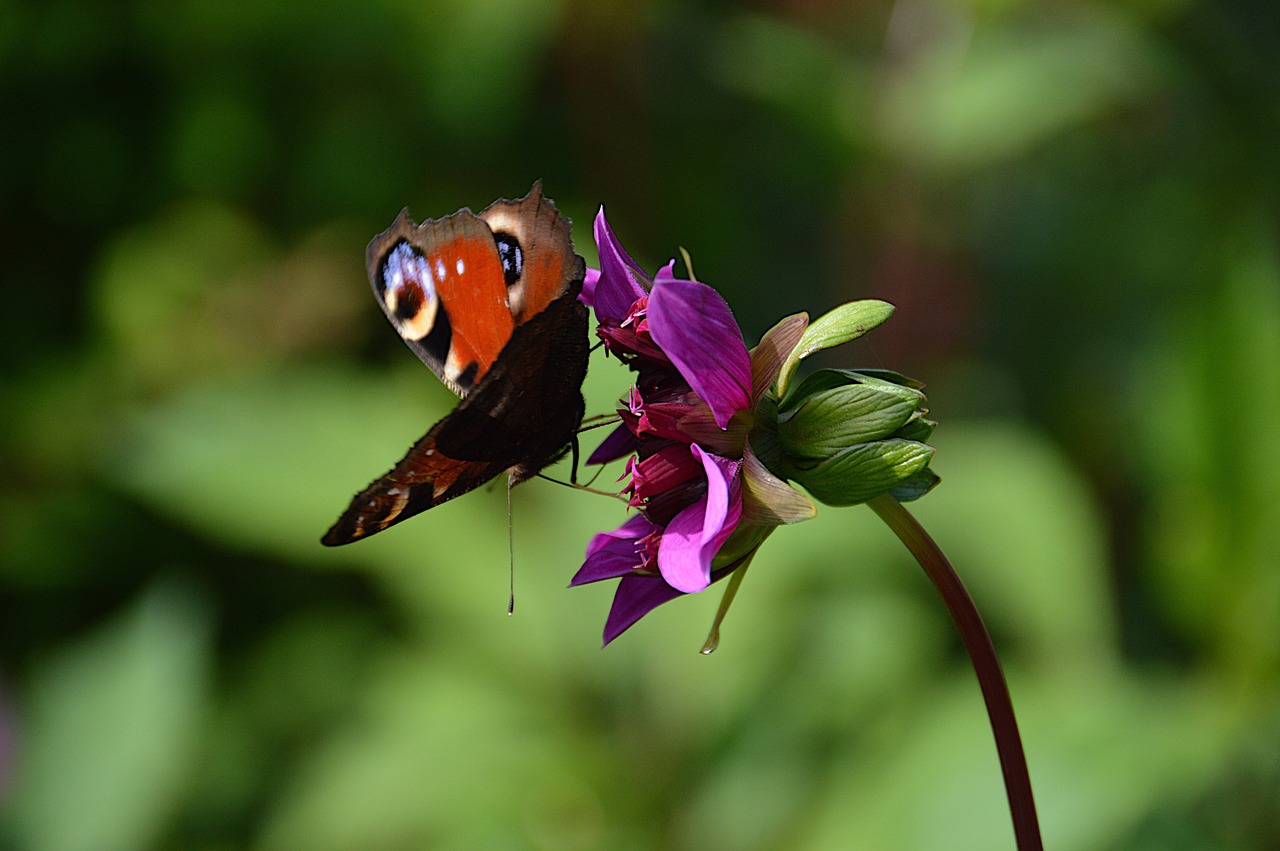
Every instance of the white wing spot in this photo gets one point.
(461, 267)
(439, 269)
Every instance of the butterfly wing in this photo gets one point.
(528, 409)
(520, 407)
(455, 288)
(521, 418)
(442, 287)
(536, 250)
(423, 479)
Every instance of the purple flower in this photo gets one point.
(692, 477)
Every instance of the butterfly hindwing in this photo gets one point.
(506, 424)
(530, 404)
(423, 479)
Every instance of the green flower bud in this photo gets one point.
(834, 409)
(863, 471)
(846, 436)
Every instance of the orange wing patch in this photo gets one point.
(471, 288)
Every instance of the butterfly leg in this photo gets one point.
(573, 470)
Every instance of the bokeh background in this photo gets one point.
(1073, 205)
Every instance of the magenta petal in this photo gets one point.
(664, 470)
(618, 285)
(666, 274)
(614, 554)
(635, 527)
(693, 536)
(636, 596)
(621, 441)
(695, 329)
(663, 419)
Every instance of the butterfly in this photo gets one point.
(490, 303)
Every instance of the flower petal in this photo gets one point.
(693, 536)
(775, 346)
(635, 527)
(699, 426)
(695, 329)
(663, 419)
(637, 595)
(666, 274)
(621, 441)
(616, 553)
(619, 282)
(664, 470)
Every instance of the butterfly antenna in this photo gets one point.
(511, 551)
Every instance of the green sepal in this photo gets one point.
(777, 343)
(832, 410)
(919, 429)
(764, 437)
(840, 325)
(743, 542)
(916, 486)
(835, 420)
(891, 376)
(826, 379)
(862, 472)
(766, 499)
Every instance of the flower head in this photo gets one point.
(686, 420)
(702, 415)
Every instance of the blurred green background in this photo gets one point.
(1074, 206)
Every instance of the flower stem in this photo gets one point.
(982, 654)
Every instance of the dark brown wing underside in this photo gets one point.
(521, 417)
(423, 479)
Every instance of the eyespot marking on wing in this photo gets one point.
(512, 256)
(408, 290)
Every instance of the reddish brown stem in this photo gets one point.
(982, 654)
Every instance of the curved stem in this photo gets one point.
(982, 654)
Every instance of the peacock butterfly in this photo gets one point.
(490, 303)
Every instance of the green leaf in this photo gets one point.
(113, 726)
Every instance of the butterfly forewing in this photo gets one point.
(536, 237)
(442, 287)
